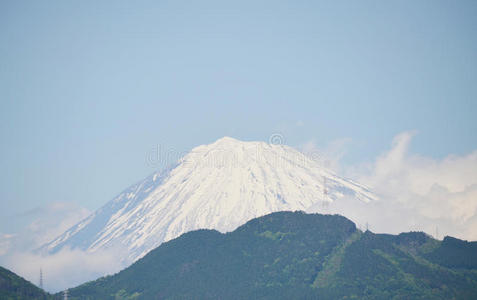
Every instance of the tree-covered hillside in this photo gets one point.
(13, 287)
(293, 255)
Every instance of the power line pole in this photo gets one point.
(41, 278)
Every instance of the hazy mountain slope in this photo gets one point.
(289, 255)
(218, 186)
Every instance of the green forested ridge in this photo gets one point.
(286, 255)
(455, 253)
(293, 255)
(15, 287)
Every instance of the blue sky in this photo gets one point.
(88, 88)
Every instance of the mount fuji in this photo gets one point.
(217, 186)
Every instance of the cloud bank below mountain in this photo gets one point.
(438, 196)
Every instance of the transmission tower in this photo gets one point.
(41, 278)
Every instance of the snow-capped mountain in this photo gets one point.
(219, 186)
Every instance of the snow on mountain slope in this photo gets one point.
(219, 186)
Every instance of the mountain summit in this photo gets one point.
(217, 186)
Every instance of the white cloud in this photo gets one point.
(45, 223)
(6, 243)
(55, 219)
(418, 192)
(64, 269)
